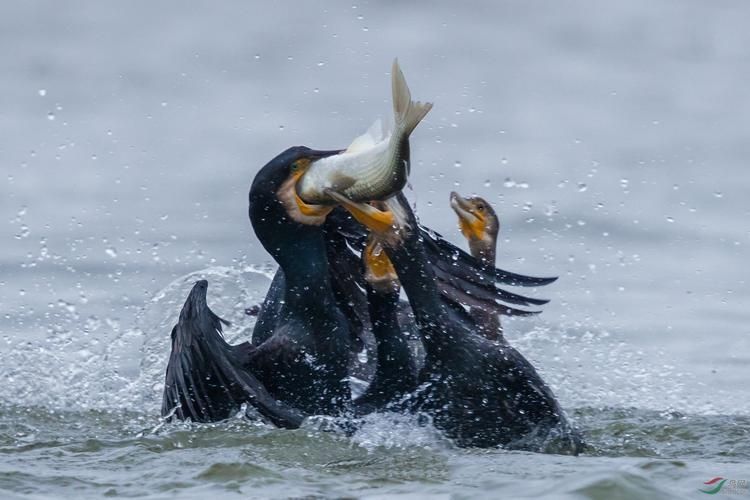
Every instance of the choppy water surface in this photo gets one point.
(611, 138)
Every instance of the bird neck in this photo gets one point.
(392, 346)
(487, 321)
(484, 250)
(420, 284)
(299, 249)
(303, 260)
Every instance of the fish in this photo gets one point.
(376, 165)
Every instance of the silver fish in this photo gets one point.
(375, 165)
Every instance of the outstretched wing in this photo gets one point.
(207, 382)
(463, 278)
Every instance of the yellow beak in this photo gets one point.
(379, 266)
(377, 221)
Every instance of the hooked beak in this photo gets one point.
(472, 225)
(377, 221)
(316, 154)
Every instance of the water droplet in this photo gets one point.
(111, 251)
(365, 28)
(670, 219)
(21, 292)
(321, 63)
(316, 90)
(281, 127)
(257, 56)
(509, 183)
(457, 164)
(362, 356)
(487, 183)
(67, 306)
(23, 232)
(582, 187)
(164, 104)
(50, 116)
(42, 92)
(718, 194)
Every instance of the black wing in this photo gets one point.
(206, 381)
(462, 277)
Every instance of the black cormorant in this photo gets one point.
(479, 393)
(303, 360)
(480, 226)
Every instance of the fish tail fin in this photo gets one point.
(407, 113)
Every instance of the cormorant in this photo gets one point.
(479, 393)
(480, 226)
(303, 361)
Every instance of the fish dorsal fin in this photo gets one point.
(374, 135)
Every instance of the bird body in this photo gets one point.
(480, 394)
(303, 361)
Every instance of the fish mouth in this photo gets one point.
(312, 191)
(299, 209)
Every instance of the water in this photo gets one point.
(610, 138)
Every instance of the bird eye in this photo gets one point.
(480, 208)
(294, 167)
